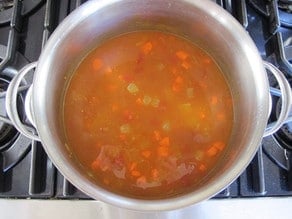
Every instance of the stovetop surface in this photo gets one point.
(25, 169)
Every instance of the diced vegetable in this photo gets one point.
(141, 181)
(125, 128)
(185, 108)
(199, 155)
(139, 101)
(163, 151)
(154, 173)
(95, 164)
(214, 100)
(186, 65)
(190, 92)
(160, 67)
(157, 135)
(202, 168)
(177, 84)
(147, 47)
(164, 141)
(166, 126)
(135, 173)
(146, 153)
(132, 88)
(155, 102)
(147, 100)
(212, 151)
(97, 63)
(133, 166)
(182, 55)
(219, 145)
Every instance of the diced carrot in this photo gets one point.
(212, 151)
(141, 181)
(178, 80)
(154, 173)
(202, 168)
(146, 153)
(185, 65)
(214, 100)
(135, 173)
(219, 145)
(157, 135)
(163, 151)
(104, 167)
(175, 87)
(133, 166)
(139, 101)
(177, 84)
(164, 142)
(97, 63)
(147, 47)
(203, 115)
(95, 164)
(123, 137)
(182, 55)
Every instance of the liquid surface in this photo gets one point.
(148, 114)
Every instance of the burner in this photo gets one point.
(7, 132)
(285, 5)
(6, 8)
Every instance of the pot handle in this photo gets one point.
(286, 96)
(11, 104)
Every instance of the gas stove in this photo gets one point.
(26, 171)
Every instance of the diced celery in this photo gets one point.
(199, 155)
(190, 92)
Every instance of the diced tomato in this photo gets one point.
(164, 141)
(147, 47)
(163, 151)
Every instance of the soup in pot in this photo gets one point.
(148, 114)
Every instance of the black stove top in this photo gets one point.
(25, 169)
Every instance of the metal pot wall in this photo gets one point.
(202, 22)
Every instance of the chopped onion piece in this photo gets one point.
(166, 126)
(147, 100)
(155, 102)
(125, 128)
(132, 88)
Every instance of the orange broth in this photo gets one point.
(148, 114)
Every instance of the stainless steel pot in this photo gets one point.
(202, 22)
